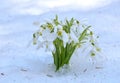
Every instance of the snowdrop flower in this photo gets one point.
(48, 36)
(63, 38)
(60, 32)
(73, 37)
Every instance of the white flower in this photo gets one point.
(48, 36)
(65, 38)
(73, 37)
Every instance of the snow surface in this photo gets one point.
(20, 62)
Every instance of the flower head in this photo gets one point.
(60, 32)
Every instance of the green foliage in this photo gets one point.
(62, 54)
(84, 34)
(68, 25)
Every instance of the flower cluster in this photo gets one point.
(62, 38)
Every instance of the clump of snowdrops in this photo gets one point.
(62, 38)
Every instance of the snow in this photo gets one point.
(21, 62)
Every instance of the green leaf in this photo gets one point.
(56, 55)
(63, 56)
(84, 34)
(67, 22)
(71, 22)
(58, 43)
(66, 28)
(56, 22)
(55, 58)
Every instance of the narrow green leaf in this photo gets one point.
(67, 22)
(56, 22)
(71, 49)
(66, 29)
(71, 22)
(84, 33)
